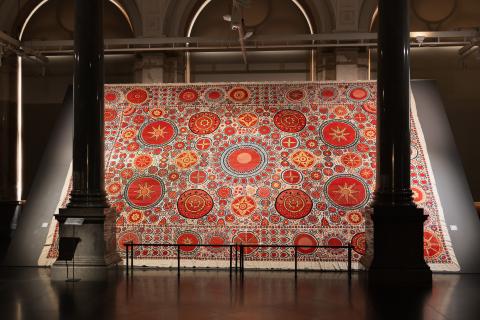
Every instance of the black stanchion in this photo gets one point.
(295, 261)
(349, 261)
(178, 259)
(131, 258)
(126, 259)
(230, 260)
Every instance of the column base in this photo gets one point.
(395, 247)
(96, 251)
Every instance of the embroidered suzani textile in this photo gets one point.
(257, 163)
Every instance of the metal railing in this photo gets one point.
(239, 253)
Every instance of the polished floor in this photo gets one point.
(28, 293)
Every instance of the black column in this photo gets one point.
(88, 146)
(393, 105)
(397, 233)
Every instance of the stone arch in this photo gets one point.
(367, 11)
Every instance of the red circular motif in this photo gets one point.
(246, 238)
(305, 239)
(239, 94)
(351, 160)
(290, 120)
(243, 206)
(198, 176)
(355, 218)
(204, 122)
(293, 204)
(248, 119)
(292, 176)
(203, 144)
(347, 192)
(432, 247)
(188, 95)
(190, 238)
(110, 96)
(144, 192)
(110, 114)
(244, 160)
(114, 188)
(359, 243)
(335, 242)
(339, 134)
(156, 112)
(366, 173)
(295, 95)
(194, 204)
(328, 93)
(358, 94)
(216, 240)
(127, 237)
(290, 142)
(142, 161)
(135, 216)
(158, 133)
(370, 107)
(137, 96)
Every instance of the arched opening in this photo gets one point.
(262, 18)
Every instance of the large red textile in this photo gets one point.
(267, 163)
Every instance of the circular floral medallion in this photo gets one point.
(292, 176)
(246, 238)
(142, 161)
(156, 113)
(335, 241)
(203, 144)
(127, 237)
(293, 204)
(359, 243)
(290, 142)
(198, 176)
(328, 93)
(204, 122)
(110, 114)
(370, 107)
(157, 133)
(188, 95)
(351, 160)
(216, 240)
(214, 95)
(137, 96)
(339, 134)
(347, 192)
(239, 94)
(305, 239)
(189, 241)
(290, 120)
(144, 192)
(304, 159)
(248, 119)
(194, 204)
(244, 160)
(243, 206)
(432, 247)
(111, 96)
(135, 216)
(354, 218)
(295, 95)
(358, 94)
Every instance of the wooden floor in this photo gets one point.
(28, 293)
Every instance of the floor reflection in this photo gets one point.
(28, 293)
